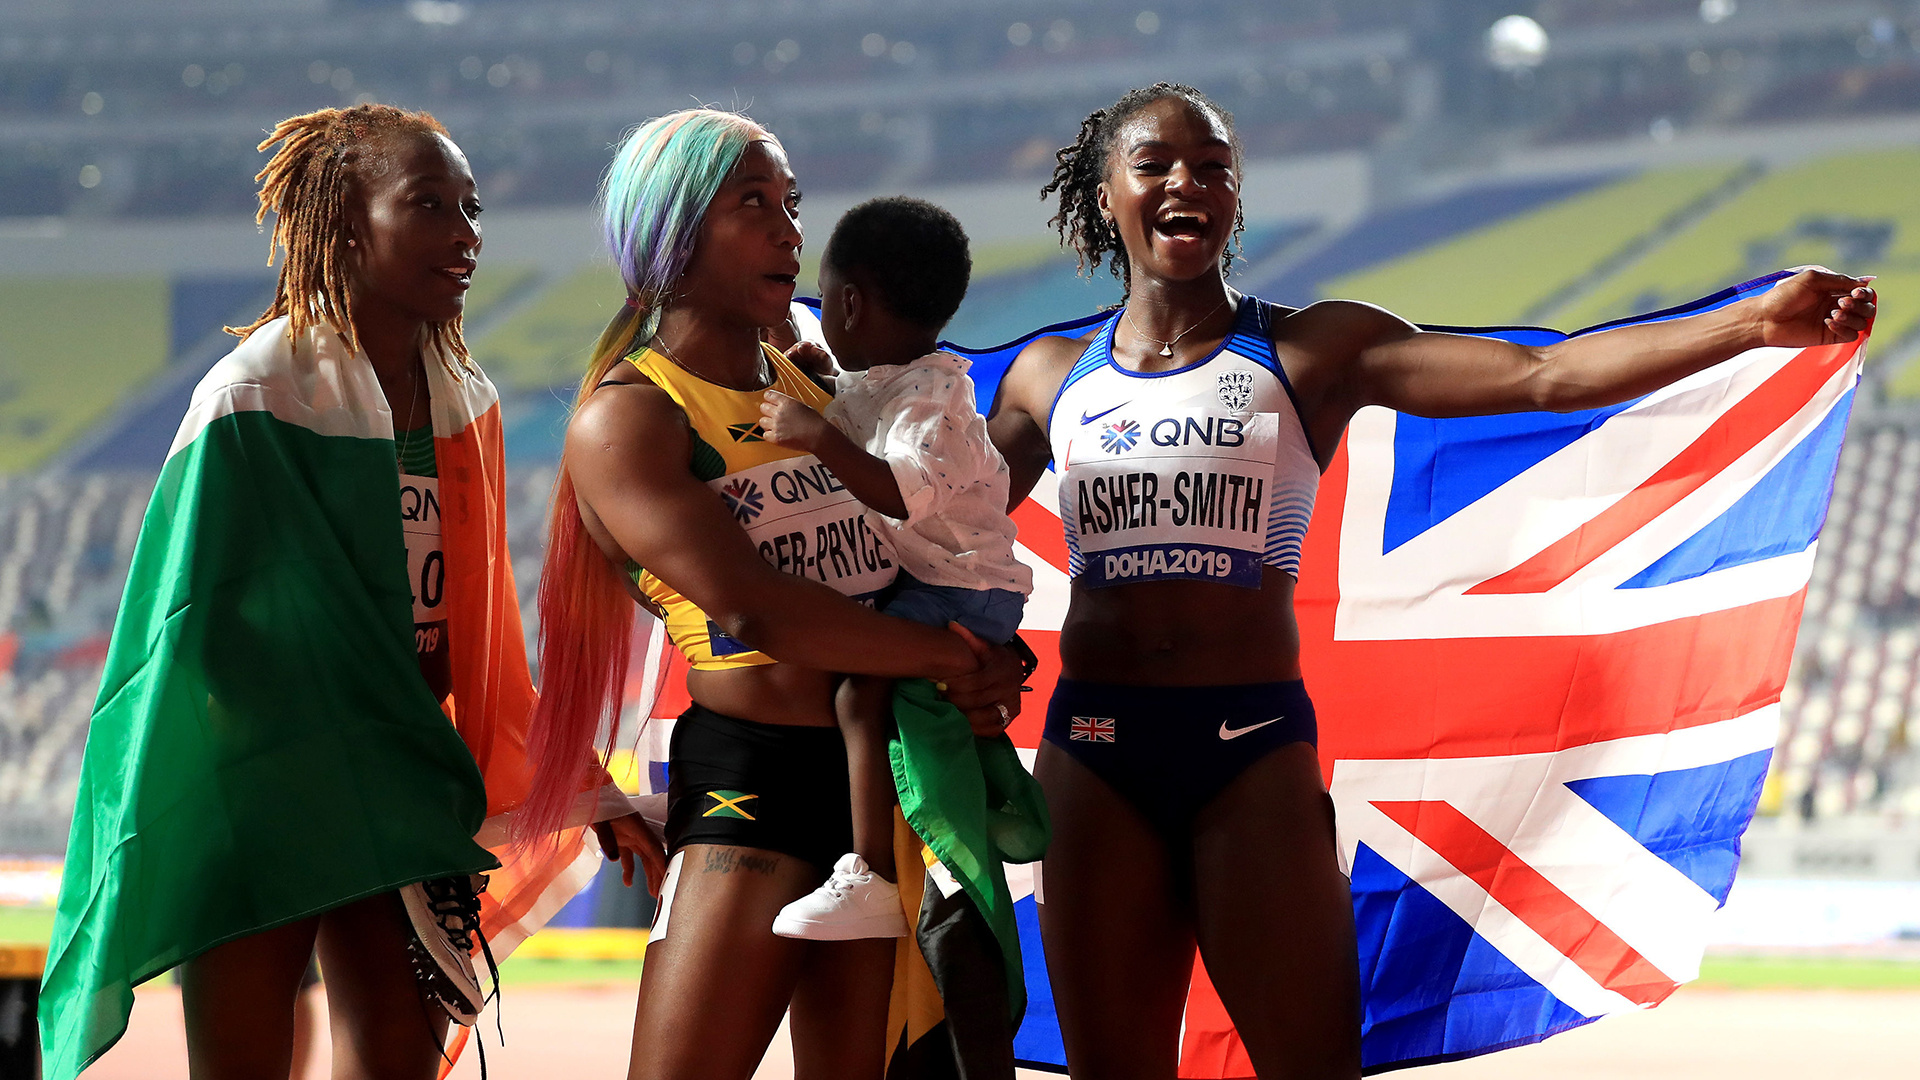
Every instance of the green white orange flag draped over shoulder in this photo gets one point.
(264, 747)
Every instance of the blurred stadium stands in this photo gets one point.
(66, 541)
(162, 102)
(1854, 209)
(1641, 208)
(546, 341)
(1848, 744)
(88, 338)
(1530, 258)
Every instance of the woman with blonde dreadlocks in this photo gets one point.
(270, 768)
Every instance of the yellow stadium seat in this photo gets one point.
(547, 342)
(1785, 218)
(1502, 274)
(70, 350)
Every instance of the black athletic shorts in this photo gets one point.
(769, 786)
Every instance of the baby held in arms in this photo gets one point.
(904, 436)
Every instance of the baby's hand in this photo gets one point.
(788, 422)
(812, 358)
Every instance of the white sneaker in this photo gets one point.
(853, 903)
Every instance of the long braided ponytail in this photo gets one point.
(306, 185)
(652, 201)
(1083, 165)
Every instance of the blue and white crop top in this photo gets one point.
(1200, 473)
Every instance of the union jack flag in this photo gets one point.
(1090, 729)
(1546, 653)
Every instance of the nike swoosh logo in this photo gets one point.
(1234, 733)
(1085, 419)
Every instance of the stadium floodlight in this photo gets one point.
(1516, 43)
(1715, 11)
(437, 12)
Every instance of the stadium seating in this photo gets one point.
(1846, 742)
(1903, 384)
(1572, 260)
(494, 285)
(65, 341)
(65, 544)
(1509, 272)
(546, 342)
(1022, 288)
(1379, 239)
(139, 436)
(1855, 211)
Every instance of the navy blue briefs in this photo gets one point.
(1169, 750)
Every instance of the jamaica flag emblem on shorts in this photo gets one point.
(729, 804)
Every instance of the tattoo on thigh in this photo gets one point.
(727, 860)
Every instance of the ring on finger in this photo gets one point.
(1006, 718)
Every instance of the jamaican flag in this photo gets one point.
(968, 807)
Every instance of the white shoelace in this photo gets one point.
(842, 883)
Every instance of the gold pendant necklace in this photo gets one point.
(1166, 347)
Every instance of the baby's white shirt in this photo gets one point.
(920, 418)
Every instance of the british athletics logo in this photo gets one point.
(1120, 436)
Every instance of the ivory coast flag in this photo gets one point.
(263, 747)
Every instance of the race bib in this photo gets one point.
(805, 523)
(1177, 495)
(427, 576)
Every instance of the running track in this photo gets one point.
(581, 1032)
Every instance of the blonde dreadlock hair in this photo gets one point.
(306, 186)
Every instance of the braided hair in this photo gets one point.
(307, 185)
(1083, 166)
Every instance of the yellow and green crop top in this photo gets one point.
(793, 508)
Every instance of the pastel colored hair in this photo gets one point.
(656, 193)
(653, 199)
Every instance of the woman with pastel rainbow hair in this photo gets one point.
(755, 560)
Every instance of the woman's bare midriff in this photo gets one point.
(768, 694)
(1180, 633)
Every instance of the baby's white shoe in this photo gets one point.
(854, 902)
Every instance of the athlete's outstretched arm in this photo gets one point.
(627, 452)
(1431, 374)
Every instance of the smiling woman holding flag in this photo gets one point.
(1189, 431)
(317, 688)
